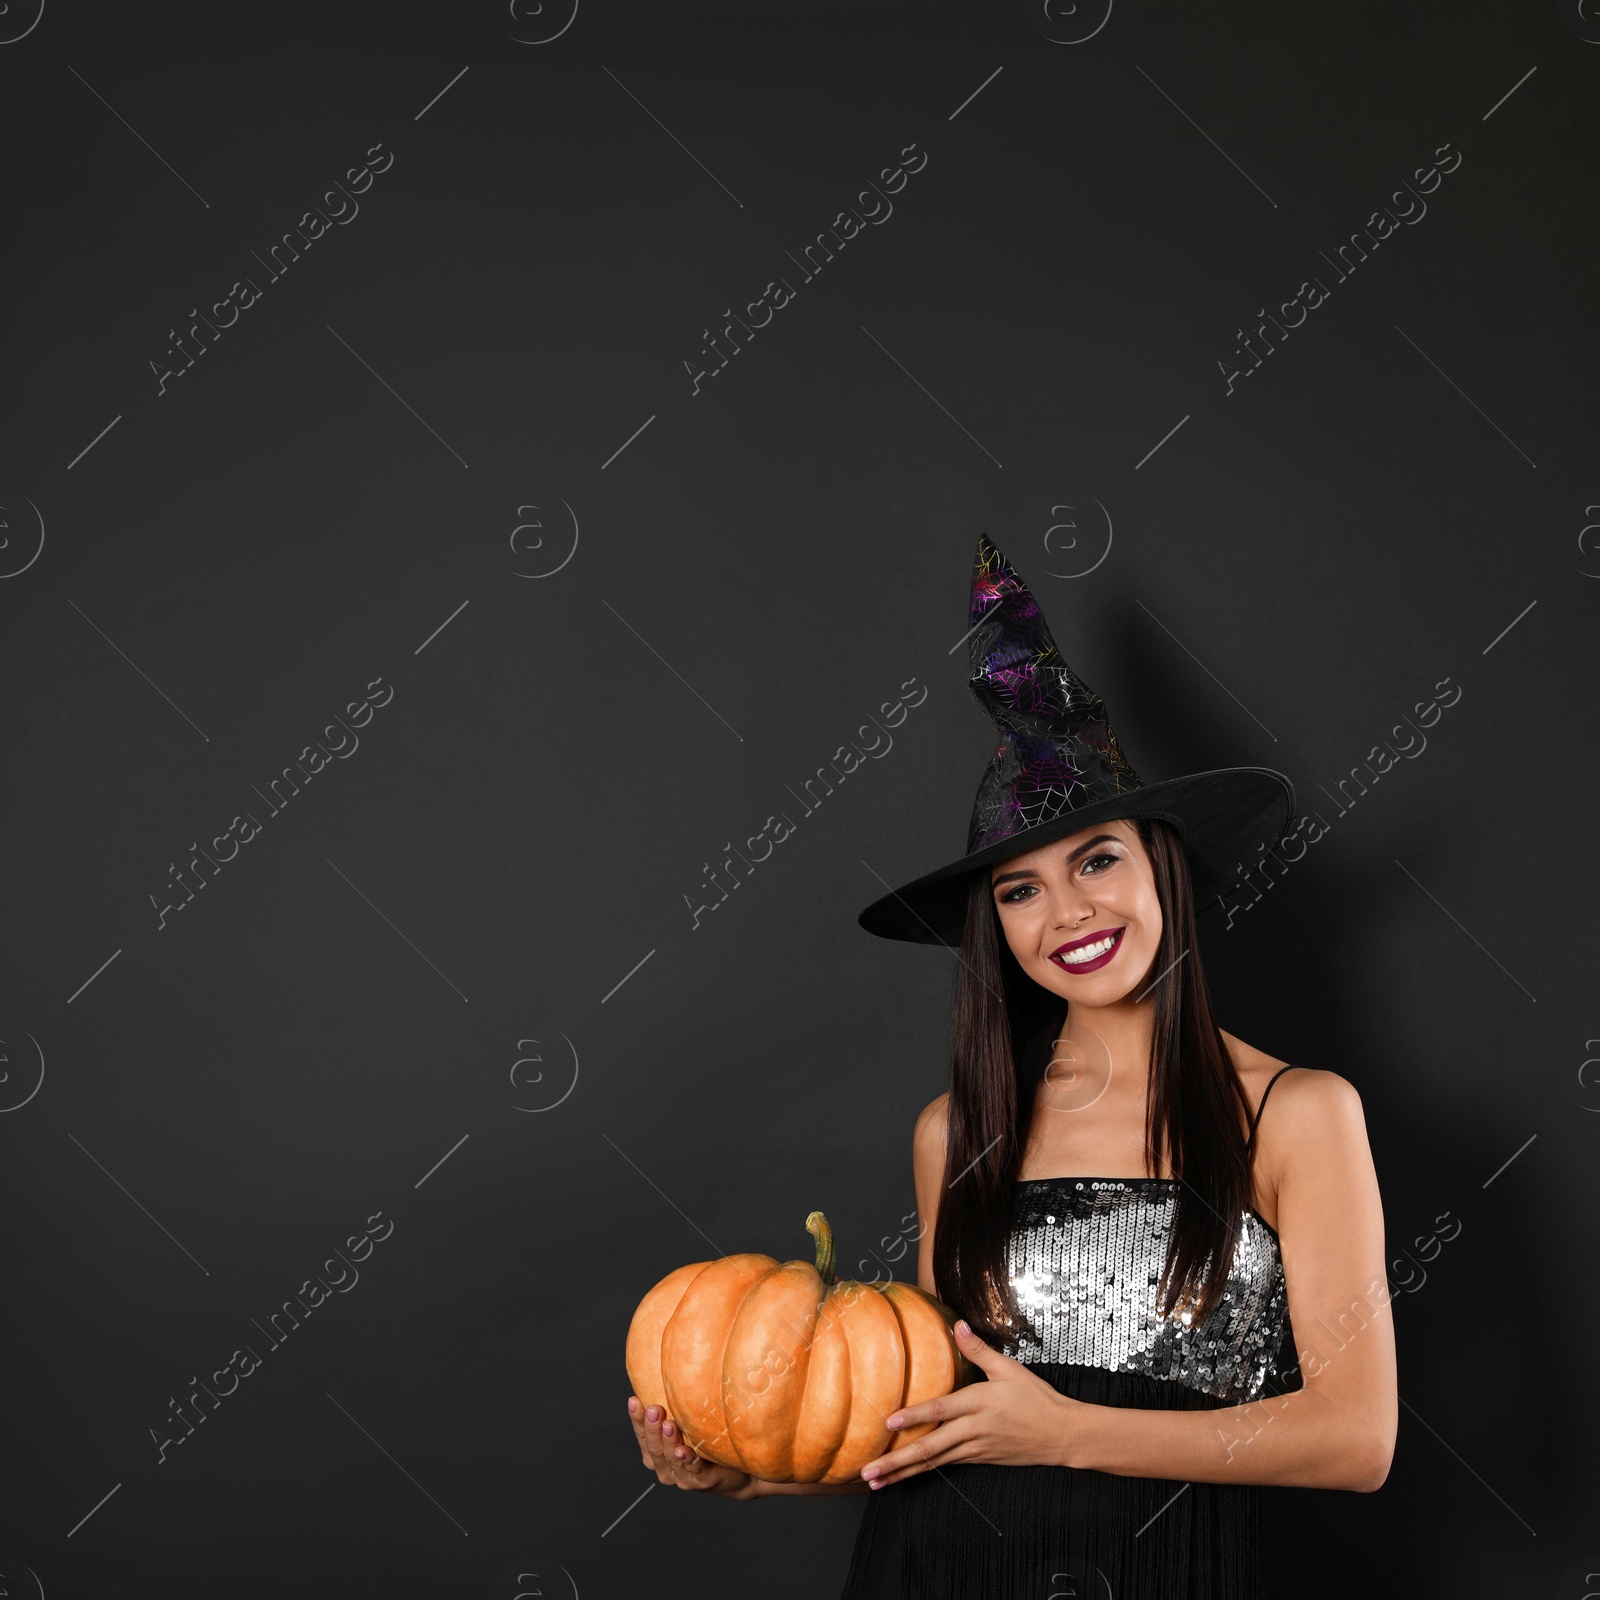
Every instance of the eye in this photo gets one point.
(1018, 893)
(1109, 860)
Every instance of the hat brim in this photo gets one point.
(1224, 818)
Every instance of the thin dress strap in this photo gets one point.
(1255, 1121)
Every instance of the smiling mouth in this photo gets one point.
(1088, 953)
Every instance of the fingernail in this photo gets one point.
(961, 1327)
(652, 1414)
(666, 1430)
(869, 1473)
(896, 1422)
(874, 1484)
(633, 1406)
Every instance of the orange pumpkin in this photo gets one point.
(784, 1372)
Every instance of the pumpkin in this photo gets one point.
(784, 1372)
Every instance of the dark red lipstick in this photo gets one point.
(1094, 963)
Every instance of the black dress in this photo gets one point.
(1085, 1255)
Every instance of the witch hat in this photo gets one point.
(1058, 769)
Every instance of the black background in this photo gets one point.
(300, 514)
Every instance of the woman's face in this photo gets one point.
(1081, 914)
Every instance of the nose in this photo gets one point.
(1071, 906)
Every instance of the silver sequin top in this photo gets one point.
(1086, 1255)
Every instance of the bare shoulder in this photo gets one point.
(1305, 1095)
(1314, 1168)
(1312, 1123)
(1311, 1103)
(927, 1144)
(928, 1138)
(927, 1166)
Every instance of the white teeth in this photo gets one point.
(1073, 958)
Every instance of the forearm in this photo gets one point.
(1303, 1439)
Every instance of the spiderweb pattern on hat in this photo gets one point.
(1057, 749)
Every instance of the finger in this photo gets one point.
(699, 1467)
(977, 1352)
(679, 1464)
(663, 1455)
(917, 1470)
(940, 1409)
(674, 1459)
(910, 1416)
(942, 1457)
(636, 1417)
(919, 1454)
(678, 1450)
(654, 1418)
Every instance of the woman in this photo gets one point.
(1128, 1240)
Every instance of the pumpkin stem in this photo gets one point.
(817, 1226)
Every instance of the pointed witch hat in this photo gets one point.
(1058, 769)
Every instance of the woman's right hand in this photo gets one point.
(663, 1447)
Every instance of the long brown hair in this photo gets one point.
(1191, 1110)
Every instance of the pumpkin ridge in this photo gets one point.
(718, 1444)
(829, 1309)
(866, 1435)
(826, 1313)
(648, 1328)
(905, 1340)
(776, 1319)
(934, 1363)
(722, 1367)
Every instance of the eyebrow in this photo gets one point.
(1083, 849)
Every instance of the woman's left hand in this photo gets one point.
(1014, 1419)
